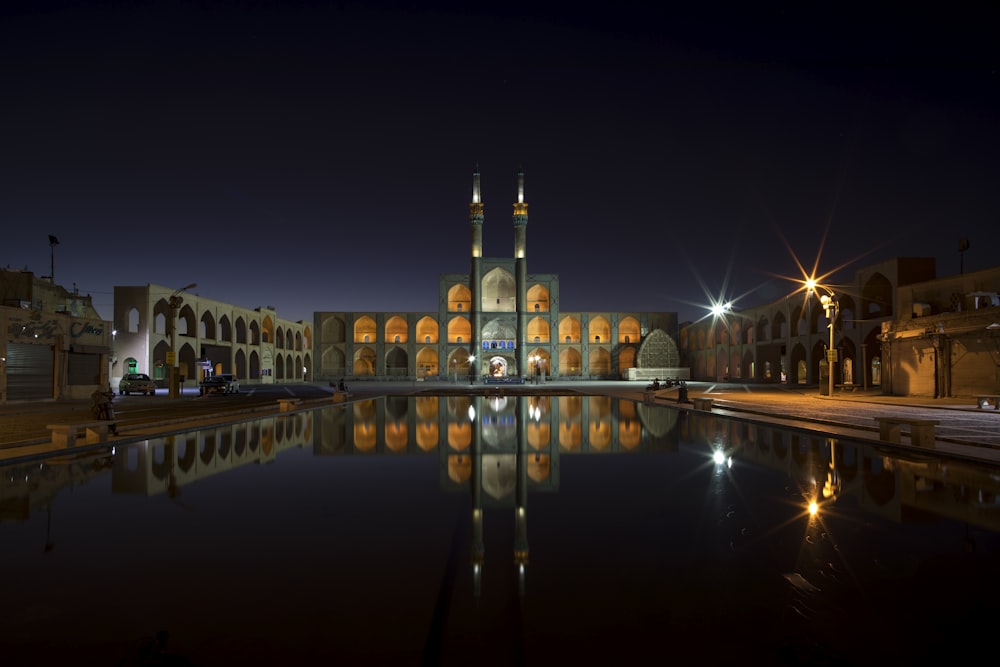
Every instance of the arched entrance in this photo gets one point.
(497, 366)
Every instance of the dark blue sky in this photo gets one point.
(318, 155)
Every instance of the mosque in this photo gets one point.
(497, 323)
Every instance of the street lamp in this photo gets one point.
(174, 302)
(721, 311)
(831, 307)
(472, 376)
(454, 368)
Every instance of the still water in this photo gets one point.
(497, 531)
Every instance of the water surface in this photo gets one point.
(519, 530)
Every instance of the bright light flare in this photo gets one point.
(813, 508)
(721, 308)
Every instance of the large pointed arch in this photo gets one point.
(498, 291)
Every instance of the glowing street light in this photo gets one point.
(831, 307)
(472, 372)
(721, 311)
(534, 359)
(174, 302)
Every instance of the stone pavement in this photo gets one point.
(964, 430)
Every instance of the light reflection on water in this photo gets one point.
(549, 528)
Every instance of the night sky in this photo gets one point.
(318, 155)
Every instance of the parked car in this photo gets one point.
(136, 383)
(220, 383)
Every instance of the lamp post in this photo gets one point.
(53, 242)
(174, 302)
(454, 368)
(720, 311)
(831, 307)
(472, 375)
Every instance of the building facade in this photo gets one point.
(206, 337)
(55, 345)
(897, 327)
(946, 340)
(499, 322)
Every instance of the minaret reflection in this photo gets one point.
(499, 461)
(478, 546)
(521, 501)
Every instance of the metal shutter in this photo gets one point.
(83, 369)
(29, 371)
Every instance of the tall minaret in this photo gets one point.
(521, 273)
(476, 272)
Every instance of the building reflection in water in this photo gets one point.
(549, 529)
(501, 449)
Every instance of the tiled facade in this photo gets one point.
(497, 321)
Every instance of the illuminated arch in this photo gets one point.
(569, 330)
(538, 299)
(396, 330)
(498, 292)
(459, 299)
(629, 330)
(599, 330)
(365, 330)
(459, 330)
(538, 330)
(427, 331)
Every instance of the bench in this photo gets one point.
(848, 385)
(65, 435)
(988, 401)
(921, 430)
(287, 404)
(701, 403)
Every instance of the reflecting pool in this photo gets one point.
(497, 530)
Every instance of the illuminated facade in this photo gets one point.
(898, 327)
(498, 322)
(210, 337)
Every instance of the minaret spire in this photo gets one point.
(476, 217)
(521, 272)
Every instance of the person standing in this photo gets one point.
(102, 407)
